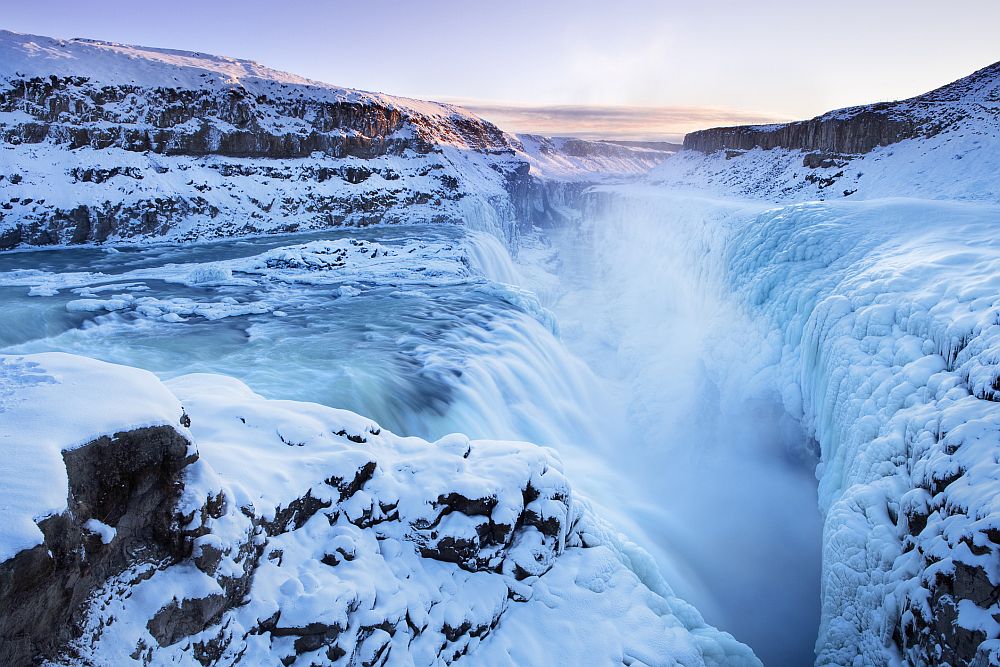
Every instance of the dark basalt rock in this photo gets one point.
(348, 488)
(859, 133)
(185, 617)
(295, 515)
(858, 130)
(70, 110)
(129, 481)
(309, 637)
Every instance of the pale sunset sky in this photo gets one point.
(639, 69)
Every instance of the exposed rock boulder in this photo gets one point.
(122, 491)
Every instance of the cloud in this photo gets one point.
(611, 122)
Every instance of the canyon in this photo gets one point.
(760, 373)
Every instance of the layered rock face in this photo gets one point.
(107, 141)
(939, 145)
(858, 130)
(104, 141)
(228, 121)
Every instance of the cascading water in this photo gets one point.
(652, 397)
(723, 471)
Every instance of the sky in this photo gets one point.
(638, 69)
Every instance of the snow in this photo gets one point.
(358, 561)
(577, 160)
(444, 164)
(955, 165)
(25, 56)
(893, 338)
(955, 159)
(93, 398)
(243, 195)
(878, 320)
(103, 530)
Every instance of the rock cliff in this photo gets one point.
(126, 480)
(857, 130)
(108, 141)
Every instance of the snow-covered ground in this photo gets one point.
(110, 142)
(952, 154)
(388, 561)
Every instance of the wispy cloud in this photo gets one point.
(611, 122)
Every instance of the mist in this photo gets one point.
(717, 474)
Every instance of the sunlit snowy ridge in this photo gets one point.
(105, 141)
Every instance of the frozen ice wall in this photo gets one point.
(719, 475)
(742, 333)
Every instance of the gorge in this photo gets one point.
(760, 376)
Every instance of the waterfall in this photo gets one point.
(721, 473)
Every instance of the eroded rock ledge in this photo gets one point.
(857, 130)
(278, 533)
(128, 483)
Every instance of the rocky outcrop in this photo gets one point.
(127, 531)
(858, 130)
(131, 482)
(232, 121)
(246, 531)
(122, 492)
(859, 133)
(112, 142)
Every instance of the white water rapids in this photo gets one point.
(647, 380)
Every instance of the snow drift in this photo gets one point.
(303, 534)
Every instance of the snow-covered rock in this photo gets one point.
(103, 141)
(856, 130)
(83, 493)
(279, 533)
(108, 141)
